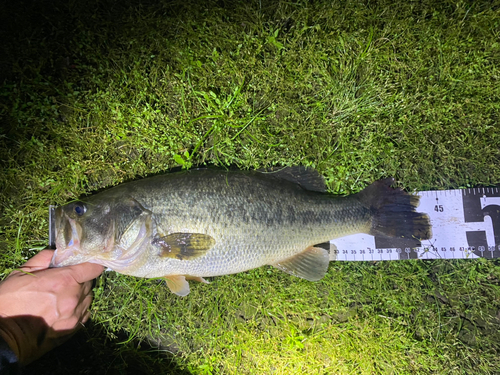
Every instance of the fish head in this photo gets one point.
(103, 231)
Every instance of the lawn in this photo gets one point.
(98, 93)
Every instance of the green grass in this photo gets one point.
(100, 93)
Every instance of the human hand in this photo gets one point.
(40, 307)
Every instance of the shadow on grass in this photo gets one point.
(91, 351)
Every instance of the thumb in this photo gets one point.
(85, 271)
(40, 261)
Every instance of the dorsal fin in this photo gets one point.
(308, 178)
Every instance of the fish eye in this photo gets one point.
(80, 209)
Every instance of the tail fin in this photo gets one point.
(394, 212)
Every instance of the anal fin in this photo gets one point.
(311, 264)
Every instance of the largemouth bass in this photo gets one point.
(206, 222)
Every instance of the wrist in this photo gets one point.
(24, 335)
(8, 331)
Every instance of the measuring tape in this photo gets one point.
(465, 224)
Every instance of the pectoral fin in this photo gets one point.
(311, 264)
(184, 246)
(178, 285)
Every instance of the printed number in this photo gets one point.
(344, 251)
(481, 248)
(353, 251)
(443, 249)
(452, 248)
(370, 251)
(361, 251)
(389, 251)
(438, 208)
(380, 251)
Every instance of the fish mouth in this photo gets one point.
(59, 258)
(68, 233)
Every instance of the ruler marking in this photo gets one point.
(453, 236)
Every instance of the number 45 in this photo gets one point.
(438, 208)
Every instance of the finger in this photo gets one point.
(39, 262)
(83, 308)
(86, 317)
(67, 326)
(85, 294)
(86, 271)
(87, 288)
(71, 321)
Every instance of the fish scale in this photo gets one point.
(197, 208)
(212, 222)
